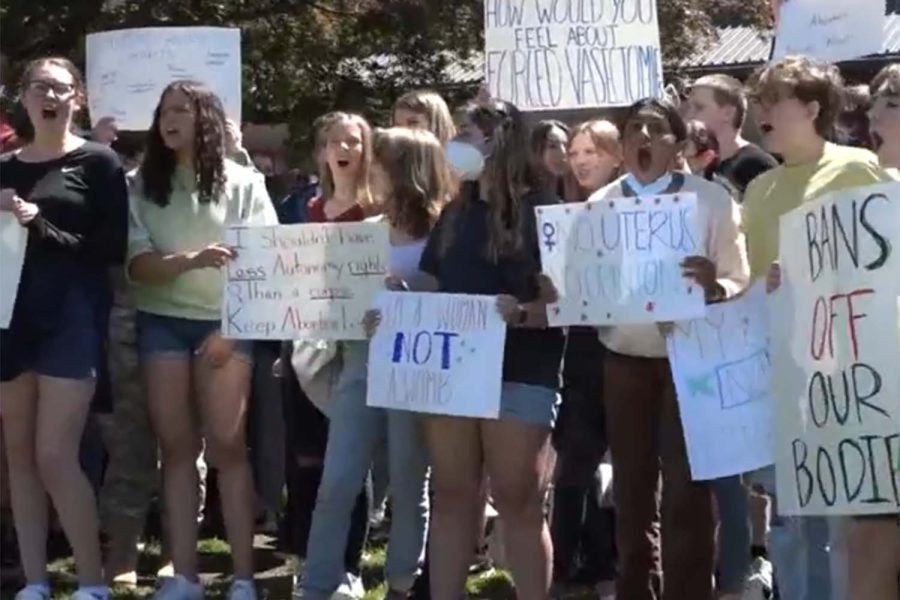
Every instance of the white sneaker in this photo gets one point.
(351, 588)
(759, 585)
(33, 592)
(179, 588)
(242, 589)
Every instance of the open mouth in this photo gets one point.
(49, 113)
(877, 140)
(644, 158)
(343, 163)
(766, 128)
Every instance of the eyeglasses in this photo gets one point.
(43, 88)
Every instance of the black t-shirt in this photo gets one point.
(745, 166)
(462, 266)
(82, 226)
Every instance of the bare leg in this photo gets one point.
(516, 455)
(63, 406)
(18, 399)
(222, 398)
(456, 477)
(168, 388)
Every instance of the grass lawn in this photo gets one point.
(274, 575)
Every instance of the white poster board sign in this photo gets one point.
(552, 55)
(127, 69)
(312, 281)
(830, 30)
(618, 261)
(721, 367)
(437, 353)
(836, 355)
(13, 239)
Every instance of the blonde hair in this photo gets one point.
(433, 108)
(887, 82)
(805, 79)
(324, 125)
(420, 177)
(606, 138)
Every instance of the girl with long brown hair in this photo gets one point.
(185, 194)
(424, 109)
(412, 179)
(486, 243)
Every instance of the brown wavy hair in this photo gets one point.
(323, 126)
(420, 178)
(434, 108)
(159, 162)
(807, 80)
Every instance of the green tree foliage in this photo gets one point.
(304, 57)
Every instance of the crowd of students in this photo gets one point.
(121, 287)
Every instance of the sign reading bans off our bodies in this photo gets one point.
(619, 261)
(312, 281)
(437, 353)
(835, 355)
(560, 54)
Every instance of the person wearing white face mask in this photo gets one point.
(465, 159)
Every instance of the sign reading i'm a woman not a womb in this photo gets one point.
(437, 353)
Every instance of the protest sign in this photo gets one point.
(829, 30)
(618, 261)
(128, 69)
(560, 54)
(13, 239)
(437, 353)
(721, 366)
(312, 281)
(836, 354)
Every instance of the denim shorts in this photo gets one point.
(160, 336)
(67, 343)
(531, 404)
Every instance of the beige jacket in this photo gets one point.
(721, 240)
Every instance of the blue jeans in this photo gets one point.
(354, 431)
(800, 551)
(734, 533)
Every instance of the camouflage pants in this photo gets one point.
(132, 472)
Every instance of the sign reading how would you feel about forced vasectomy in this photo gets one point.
(312, 281)
(437, 353)
(836, 354)
(559, 54)
(618, 261)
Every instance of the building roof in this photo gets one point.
(736, 46)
